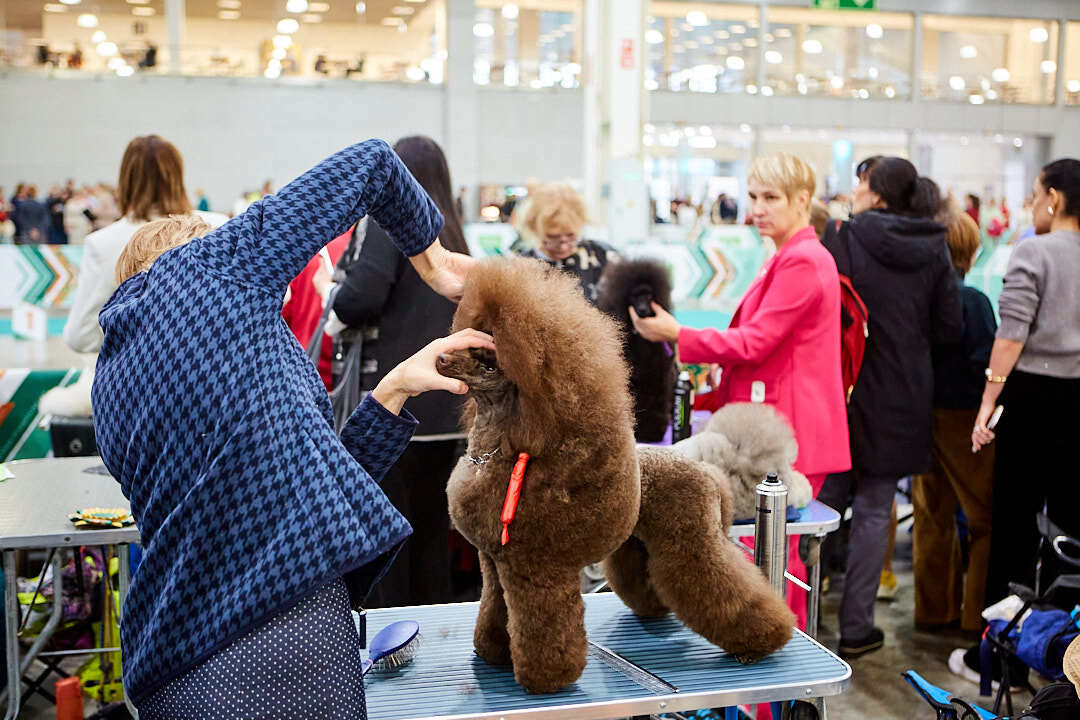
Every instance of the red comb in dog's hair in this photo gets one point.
(513, 494)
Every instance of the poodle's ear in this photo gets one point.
(468, 415)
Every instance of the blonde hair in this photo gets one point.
(151, 240)
(784, 171)
(963, 237)
(554, 202)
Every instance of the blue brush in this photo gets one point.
(394, 646)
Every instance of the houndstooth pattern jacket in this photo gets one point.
(219, 430)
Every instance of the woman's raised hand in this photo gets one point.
(659, 328)
(442, 270)
(417, 374)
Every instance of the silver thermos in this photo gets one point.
(770, 531)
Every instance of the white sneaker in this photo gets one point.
(958, 667)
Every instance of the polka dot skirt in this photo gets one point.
(303, 663)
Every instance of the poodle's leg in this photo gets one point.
(627, 572)
(490, 638)
(547, 626)
(718, 593)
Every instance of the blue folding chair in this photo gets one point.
(947, 705)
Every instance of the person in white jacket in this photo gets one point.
(151, 185)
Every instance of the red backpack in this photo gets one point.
(854, 318)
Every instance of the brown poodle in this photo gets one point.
(557, 389)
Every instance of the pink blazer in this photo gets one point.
(783, 348)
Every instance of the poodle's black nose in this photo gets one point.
(442, 361)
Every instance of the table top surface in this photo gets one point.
(814, 519)
(35, 504)
(447, 680)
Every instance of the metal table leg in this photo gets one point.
(124, 580)
(11, 636)
(54, 618)
(813, 566)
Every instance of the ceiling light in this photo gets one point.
(812, 47)
(143, 11)
(296, 6)
(415, 73)
(311, 18)
(391, 21)
(751, 89)
(278, 53)
(272, 73)
(837, 82)
(991, 95)
(361, 7)
(769, 37)
(890, 92)
(1018, 142)
(125, 71)
(744, 128)
(510, 11)
(707, 40)
(736, 47)
(976, 99)
(87, 20)
(872, 72)
(702, 142)
(750, 42)
(274, 63)
(722, 34)
(282, 41)
(654, 37)
(968, 52)
(116, 63)
(1000, 75)
(71, 2)
(864, 94)
(1039, 35)
(783, 33)
(738, 29)
(483, 30)
(875, 31)
(106, 49)
(1073, 86)
(984, 84)
(98, 37)
(735, 63)
(288, 25)
(767, 91)
(402, 10)
(229, 4)
(773, 57)
(1048, 66)
(319, 7)
(54, 7)
(697, 18)
(402, 27)
(228, 14)
(956, 82)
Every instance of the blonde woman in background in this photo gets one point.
(556, 215)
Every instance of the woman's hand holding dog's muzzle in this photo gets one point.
(417, 374)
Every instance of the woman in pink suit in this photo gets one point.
(783, 344)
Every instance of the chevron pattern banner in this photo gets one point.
(21, 434)
(43, 275)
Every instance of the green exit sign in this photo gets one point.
(843, 4)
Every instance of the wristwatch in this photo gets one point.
(992, 378)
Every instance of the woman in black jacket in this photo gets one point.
(896, 256)
(383, 297)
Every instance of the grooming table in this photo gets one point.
(636, 667)
(34, 509)
(816, 520)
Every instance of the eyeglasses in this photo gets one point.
(560, 239)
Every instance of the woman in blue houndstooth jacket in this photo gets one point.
(258, 523)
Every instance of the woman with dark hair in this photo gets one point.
(1034, 373)
(972, 206)
(897, 259)
(386, 305)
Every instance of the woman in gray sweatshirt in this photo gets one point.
(1034, 373)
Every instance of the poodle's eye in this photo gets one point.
(488, 370)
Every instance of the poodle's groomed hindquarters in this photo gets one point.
(681, 559)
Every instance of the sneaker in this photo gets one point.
(887, 588)
(965, 663)
(857, 647)
(825, 585)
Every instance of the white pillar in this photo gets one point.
(461, 131)
(615, 107)
(175, 20)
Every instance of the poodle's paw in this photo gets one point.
(746, 659)
(537, 679)
(492, 651)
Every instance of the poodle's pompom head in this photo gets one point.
(561, 353)
(760, 435)
(625, 281)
